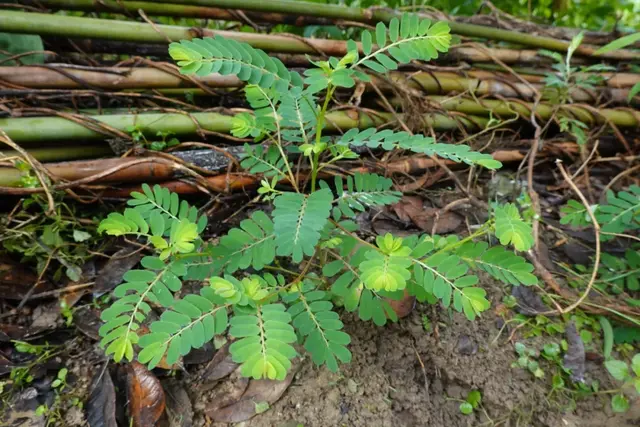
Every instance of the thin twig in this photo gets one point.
(35, 165)
(596, 229)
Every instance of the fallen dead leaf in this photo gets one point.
(403, 307)
(574, 358)
(220, 366)
(407, 207)
(146, 396)
(23, 411)
(259, 395)
(87, 321)
(528, 301)
(16, 281)
(101, 406)
(411, 208)
(200, 355)
(227, 392)
(111, 274)
(179, 407)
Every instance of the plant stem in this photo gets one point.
(319, 126)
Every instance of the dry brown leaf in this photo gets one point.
(404, 306)
(259, 392)
(16, 281)
(447, 221)
(227, 392)
(101, 407)
(407, 207)
(179, 407)
(146, 396)
(87, 321)
(111, 274)
(411, 208)
(220, 366)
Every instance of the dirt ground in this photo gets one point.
(402, 376)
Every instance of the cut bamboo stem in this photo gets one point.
(112, 79)
(71, 26)
(40, 129)
(160, 172)
(372, 16)
(177, 10)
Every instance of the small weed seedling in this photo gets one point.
(630, 379)
(276, 278)
(471, 403)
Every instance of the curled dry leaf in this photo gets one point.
(111, 274)
(179, 407)
(101, 406)
(403, 307)
(529, 302)
(412, 209)
(23, 410)
(16, 281)
(146, 396)
(574, 359)
(87, 321)
(220, 366)
(227, 392)
(259, 395)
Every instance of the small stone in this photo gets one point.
(352, 386)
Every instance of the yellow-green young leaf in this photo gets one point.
(183, 233)
(385, 272)
(390, 245)
(511, 229)
(264, 346)
(225, 289)
(158, 242)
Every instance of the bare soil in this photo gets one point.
(402, 376)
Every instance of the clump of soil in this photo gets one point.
(402, 376)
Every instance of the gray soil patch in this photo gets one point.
(402, 376)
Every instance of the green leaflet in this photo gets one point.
(621, 212)
(258, 160)
(498, 262)
(250, 245)
(511, 229)
(230, 57)
(314, 319)
(364, 190)
(297, 111)
(264, 342)
(298, 220)
(191, 322)
(349, 286)
(621, 273)
(445, 276)
(575, 214)
(161, 201)
(263, 101)
(388, 140)
(124, 317)
(408, 39)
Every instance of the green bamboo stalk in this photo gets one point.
(54, 154)
(168, 9)
(25, 130)
(622, 118)
(373, 16)
(73, 26)
(78, 27)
